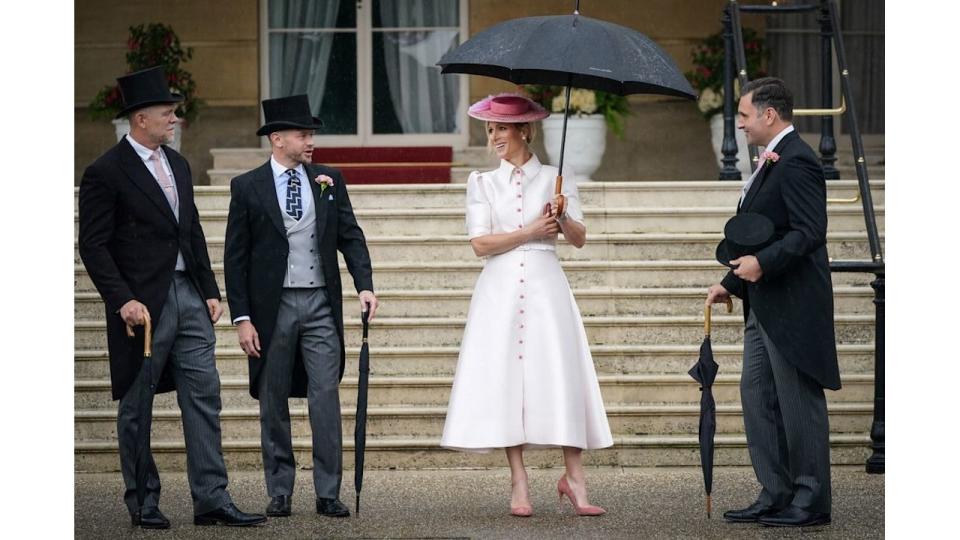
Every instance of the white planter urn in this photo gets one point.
(122, 127)
(586, 142)
(743, 154)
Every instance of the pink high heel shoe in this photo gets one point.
(563, 488)
(521, 511)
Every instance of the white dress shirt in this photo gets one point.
(145, 154)
(773, 144)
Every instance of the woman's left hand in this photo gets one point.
(554, 203)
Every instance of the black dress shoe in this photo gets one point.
(150, 518)
(750, 514)
(332, 508)
(279, 506)
(230, 516)
(794, 516)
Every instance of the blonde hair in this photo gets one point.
(528, 139)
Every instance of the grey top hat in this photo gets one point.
(291, 112)
(744, 234)
(145, 88)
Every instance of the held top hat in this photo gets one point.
(145, 88)
(291, 112)
(507, 108)
(744, 234)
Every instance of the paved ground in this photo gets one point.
(641, 503)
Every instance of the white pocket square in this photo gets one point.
(330, 197)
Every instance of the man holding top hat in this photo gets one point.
(287, 220)
(141, 242)
(776, 249)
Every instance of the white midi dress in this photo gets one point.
(525, 375)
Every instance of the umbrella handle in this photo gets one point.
(562, 199)
(147, 337)
(707, 313)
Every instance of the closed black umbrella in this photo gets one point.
(360, 427)
(705, 372)
(144, 407)
(571, 51)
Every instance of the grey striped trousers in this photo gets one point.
(184, 337)
(785, 416)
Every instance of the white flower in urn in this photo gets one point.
(710, 100)
(581, 102)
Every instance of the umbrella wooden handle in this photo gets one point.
(707, 313)
(147, 337)
(561, 198)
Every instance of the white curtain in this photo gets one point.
(424, 101)
(299, 61)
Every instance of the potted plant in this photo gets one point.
(590, 114)
(152, 45)
(707, 78)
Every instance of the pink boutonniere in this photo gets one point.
(324, 181)
(771, 157)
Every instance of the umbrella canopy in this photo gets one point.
(360, 428)
(705, 373)
(571, 51)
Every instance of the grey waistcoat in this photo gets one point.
(304, 270)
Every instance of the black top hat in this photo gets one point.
(291, 112)
(744, 234)
(145, 88)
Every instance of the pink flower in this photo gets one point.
(324, 181)
(770, 157)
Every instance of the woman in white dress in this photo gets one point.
(525, 377)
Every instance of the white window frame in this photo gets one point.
(365, 135)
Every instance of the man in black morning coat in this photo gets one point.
(141, 242)
(790, 352)
(288, 218)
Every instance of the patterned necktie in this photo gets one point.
(294, 201)
(166, 184)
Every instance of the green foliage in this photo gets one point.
(152, 45)
(613, 107)
(707, 75)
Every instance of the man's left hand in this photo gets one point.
(747, 268)
(215, 309)
(369, 302)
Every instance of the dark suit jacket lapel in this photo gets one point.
(181, 176)
(143, 179)
(320, 205)
(758, 182)
(267, 193)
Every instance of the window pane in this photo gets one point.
(312, 14)
(415, 13)
(322, 65)
(409, 94)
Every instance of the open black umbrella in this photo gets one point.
(705, 372)
(571, 51)
(144, 407)
(360, 427)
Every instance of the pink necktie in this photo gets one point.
(166, 184)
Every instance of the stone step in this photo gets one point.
(608, 330)
(599, 247)
(617, 275)
(435, 391)
(442, 361)
(239, 158)
(95, 425)
(425, 453)
(433, 221)
(592, 194)
(597, 301)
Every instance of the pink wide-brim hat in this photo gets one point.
(507, 108)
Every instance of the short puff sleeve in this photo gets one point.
(479, 211)
(569, 189)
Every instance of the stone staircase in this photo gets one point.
(639, 283)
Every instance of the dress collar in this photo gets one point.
(530, 169)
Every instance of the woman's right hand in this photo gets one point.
(545, 227)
